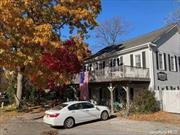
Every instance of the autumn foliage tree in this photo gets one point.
(30, 40)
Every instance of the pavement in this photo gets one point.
(33, 125)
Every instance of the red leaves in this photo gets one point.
(63, 60)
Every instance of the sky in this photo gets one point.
(143, 16)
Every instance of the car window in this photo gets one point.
(87, 105)
(75, 107)
(59, 107)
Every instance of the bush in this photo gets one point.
(144, 102)
(11, 89)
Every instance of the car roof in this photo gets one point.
(74, 102)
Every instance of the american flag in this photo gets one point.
(84, 78)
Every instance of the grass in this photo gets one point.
(8, 112)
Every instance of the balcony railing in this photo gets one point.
(117, 73)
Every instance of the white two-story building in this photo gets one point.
(151, 62)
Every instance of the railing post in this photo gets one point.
(124, 71)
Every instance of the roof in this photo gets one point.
(152, 37)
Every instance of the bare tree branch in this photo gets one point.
(174, 17)
(110, 30)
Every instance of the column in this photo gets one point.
(127, 99)
(111, 89)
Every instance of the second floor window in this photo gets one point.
(120, 61)
(138, 60)
(161, 61)
(172, 63)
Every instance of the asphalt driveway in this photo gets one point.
(114, 126)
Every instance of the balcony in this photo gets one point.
(119, 73)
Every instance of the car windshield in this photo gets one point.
(59, 107)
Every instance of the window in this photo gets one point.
(161, 61)
(87, 105)
(103, 64)
(138, 60)
(114, 62)
(120, 61)
(75, 107)
(97, 66)
(59, 107)
(110, 62)
(172, 63)
(90, 67)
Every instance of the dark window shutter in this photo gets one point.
(131, 60)
(157, 61)
(176, 63)
(169, 61)
(144, 59)
(179, 63)
(121, 60)
(165, 64)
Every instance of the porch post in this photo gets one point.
(127, 100)
(111, 89)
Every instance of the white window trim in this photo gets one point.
(140, 60)
(174, 63)
(161, 68)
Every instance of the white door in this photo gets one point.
(77, 113)
(90, 111)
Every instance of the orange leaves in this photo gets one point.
(30, 28)
(43, 34)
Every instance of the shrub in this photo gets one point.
(11, 89)
(144, 102)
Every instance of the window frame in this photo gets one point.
(80, 107)
(172, 63)
(161, 61)
(88, 107)
(139, 60)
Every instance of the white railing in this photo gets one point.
(116, 73)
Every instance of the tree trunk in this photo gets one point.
(19, 89)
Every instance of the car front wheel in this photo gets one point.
(69, 123)
(104, 115)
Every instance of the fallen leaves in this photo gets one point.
(157, 117)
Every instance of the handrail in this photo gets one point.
(117, 72)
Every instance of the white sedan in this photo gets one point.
(70, 113)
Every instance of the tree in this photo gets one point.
(30, 42)
(174, 17)
(110, 30)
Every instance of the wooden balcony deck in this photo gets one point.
(119, 73)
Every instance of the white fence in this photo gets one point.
(171, 101)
